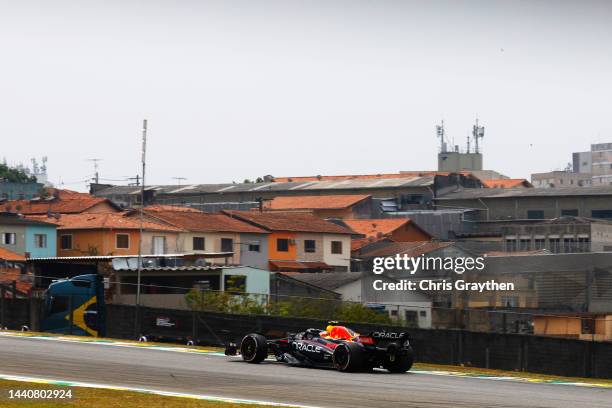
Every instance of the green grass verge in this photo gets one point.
(504, 373)
(94, 397)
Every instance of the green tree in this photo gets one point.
(14, 175)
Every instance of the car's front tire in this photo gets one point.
(348, 357)
(254, 348)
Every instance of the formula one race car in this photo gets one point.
(336, 347)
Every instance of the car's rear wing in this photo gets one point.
(384, 336)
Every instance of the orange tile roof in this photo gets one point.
(289, 221)
(327, 202)
(199, 221)
(10, 256)
(506, 183)
(96, 221)
(73, 204)
(411, 249)
(376, 227)
(8, 275)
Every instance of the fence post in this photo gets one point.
(194, 326)
(460, 357)
(2, 306)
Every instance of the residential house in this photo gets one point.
(60, 202)
(111, 234)
(205, 233)
(325, 206)
(393, 229)
(26, 237)
(301, 241)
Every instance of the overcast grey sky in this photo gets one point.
(239, 89)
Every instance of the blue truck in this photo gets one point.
(75, 306)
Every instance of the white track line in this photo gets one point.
(67, 383)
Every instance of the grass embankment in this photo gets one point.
(475, 371)
(103, 398)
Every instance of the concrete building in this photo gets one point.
(561, 178)
(596, 162)
(301, 241)
(202, 233)
(560, 235)
(455, 161)
(19, 191)
(601, 163)
(531, 203)
(100, 234)
(409, 191)
(582, 162)
(26, 237)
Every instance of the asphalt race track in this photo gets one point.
(270, 381)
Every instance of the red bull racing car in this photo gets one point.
(335, 347)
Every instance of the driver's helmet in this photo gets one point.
(338, 333)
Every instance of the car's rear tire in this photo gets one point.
(348, 357)
(398, 360)
(254, 348)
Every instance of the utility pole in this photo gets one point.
(136, 179)
(142, 204)
(96, 177)
(178, 180)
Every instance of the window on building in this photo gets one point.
(310, 245)
(509, 301)
(555, 245)
(336, 247)
(408, 199)
(282, 245)
(40, 240)
(9, 238)
(393, 312)
(254, 247)
(122, 241)
(584, 244)
(199, 244)
(227, 245)
(539, 243)
(569, 245)
(535, 214)
(423, 313)
(411, 317)
(601, 213)
(569, 213)
(511, 245)
(66, 241)
(235, 283)
(525, 244)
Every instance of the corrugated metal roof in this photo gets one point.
(180, 268)
(275, 186)
(111, 257)
(475, 193)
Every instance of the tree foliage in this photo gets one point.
(324, 309)
(14, 175)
